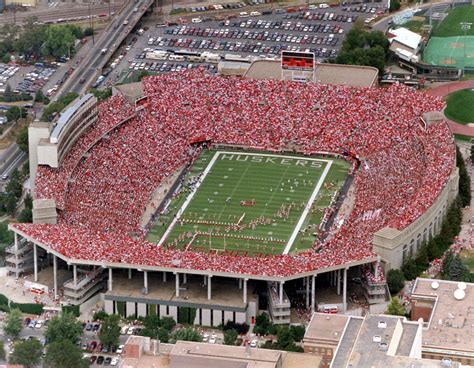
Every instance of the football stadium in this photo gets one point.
(207, 195)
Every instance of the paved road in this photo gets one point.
(11, 159)
(68, 11)
(91, 65)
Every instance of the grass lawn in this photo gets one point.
(252, 202)
(460, 106)
(450, 25)
(414, 25)
(468, 259)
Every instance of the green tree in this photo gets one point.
(12, 325)
(100, 316)
(6, 236)
(472, 153)
(32, 39)
(14, 113)
(25, 216)
(64, 354)
(395, 280)
(22, 139)
(39, 96)
(454, 269)
(168, 323)
(109, 333)
(2, 350)
(262, 324)
(59, 41)
(285, 337)
(152, 324)
(297, 332)
(464, 180)
(394, 5)
(230, 336)
(88, 32)
(395, 308)
(8, 95)
(187, 334)
(64, 327)
(101, 95)
(27, 353)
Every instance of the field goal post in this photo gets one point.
(298, 66)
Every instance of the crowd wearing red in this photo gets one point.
(404, 164)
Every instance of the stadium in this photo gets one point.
(239, 182)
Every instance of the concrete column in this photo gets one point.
(209, 290)
(281, 292)
(16, 242)
(110, 279)
(55, 276)
(344, 291)
(164, 276)
(129, 273)
(245, 290)
(307, 291)
(35, 262)
(145, 280)
(177, 284)
(338, 282)
(313, 292)
(185, 278)
(74, 274)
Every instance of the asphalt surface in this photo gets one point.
(263, 36)
(12, 158)
(90, 66)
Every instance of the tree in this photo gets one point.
(109, 333)
(64, 354)
(152, 324)
(88, 32)
(12, 325)
(14, 113)
(8, 95)
(39, 96)
(6, 236)
(64, 327)
(394, 5)
(464, 180)
(453, 268)
(262, 324)
(230, 336)
(285, 338)
(472, 153)
(32, 39)
(2, 350)
(395, 308)
(187, 334)
(395, 280)
(22, 139)
(297, 332)
(59, 41)
(27, 353)
(100, 316)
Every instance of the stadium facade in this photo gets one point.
(203, 295)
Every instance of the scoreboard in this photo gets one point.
(298, 66)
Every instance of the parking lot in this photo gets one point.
(241, 37)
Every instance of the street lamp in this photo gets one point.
(465, 26)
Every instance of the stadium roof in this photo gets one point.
(349, 75)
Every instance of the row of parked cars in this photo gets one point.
(6, 72)
(35, 80)
(33, 323)
(166, 67)
(283, 25)
(101, 360)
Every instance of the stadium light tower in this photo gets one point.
(465, 26)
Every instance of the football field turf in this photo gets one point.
(251, 203)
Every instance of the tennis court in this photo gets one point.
(450, 51)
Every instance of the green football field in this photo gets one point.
(250, 203)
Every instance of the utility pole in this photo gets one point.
(465, 26)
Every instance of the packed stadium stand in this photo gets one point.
(403, 165)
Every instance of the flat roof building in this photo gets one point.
(447, 310)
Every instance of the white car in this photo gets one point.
(39, 324)
(124, 329)
(205, 338)
(196, 20)
(213, 339)
(130, 329)
(253, 343)
(114, 362)
(120, 349)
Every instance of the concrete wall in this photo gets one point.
(206, 317)
(141, 309)
(130, 308)
(216, 317)
(109, 306)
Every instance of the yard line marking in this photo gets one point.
(188, 200)
(307, 208)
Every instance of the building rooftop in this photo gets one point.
(326, 327)
(451, 324)
(405, 37)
